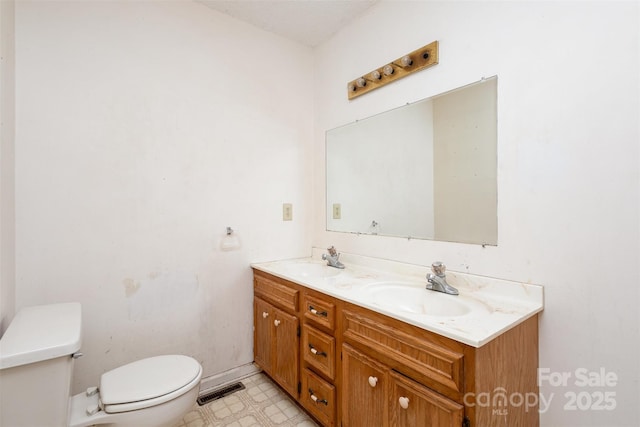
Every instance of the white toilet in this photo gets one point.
(37, 353)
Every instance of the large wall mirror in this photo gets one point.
(426, 170)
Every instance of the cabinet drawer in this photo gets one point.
(319, 350)
(438, 367)
(319, 311)
(318, 397)
(276, 293)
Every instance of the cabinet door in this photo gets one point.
(262, 336)
(364, 390)
(286, 352)
(412, 404)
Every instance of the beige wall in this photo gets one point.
(568, 165)
(144, 129)
(7, 170)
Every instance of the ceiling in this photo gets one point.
(309, 22)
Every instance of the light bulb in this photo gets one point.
(352, 87)
(375, 75)
(361, 82)
(406, 61)
(388, 70)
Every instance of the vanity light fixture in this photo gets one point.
(419, 59)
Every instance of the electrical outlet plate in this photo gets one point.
(287, 212)
(337, 211)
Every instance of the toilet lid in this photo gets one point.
(148, 379)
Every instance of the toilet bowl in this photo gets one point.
(156, 391)
(36, 370)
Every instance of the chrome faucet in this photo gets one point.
(332, 258)
(437, 281)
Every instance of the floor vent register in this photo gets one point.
(219, 393)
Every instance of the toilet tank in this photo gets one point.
(36, 365)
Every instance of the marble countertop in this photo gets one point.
(485, 308)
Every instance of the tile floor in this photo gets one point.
(260, 404)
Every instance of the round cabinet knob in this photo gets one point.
(404, 402)
(373, 381)
(265, 314)
(276, 322)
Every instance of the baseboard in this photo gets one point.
(232, 375)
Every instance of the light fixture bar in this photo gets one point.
(419, 59)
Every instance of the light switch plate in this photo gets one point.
(287, 212)
(337, 211)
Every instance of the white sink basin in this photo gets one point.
(415, 299)
(312, 270)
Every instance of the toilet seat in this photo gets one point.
(147, 382)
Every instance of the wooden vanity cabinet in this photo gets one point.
(374, 394)
(276, 344)
(294, 343)
(432, 380)
(349, 366)
(276, 333)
